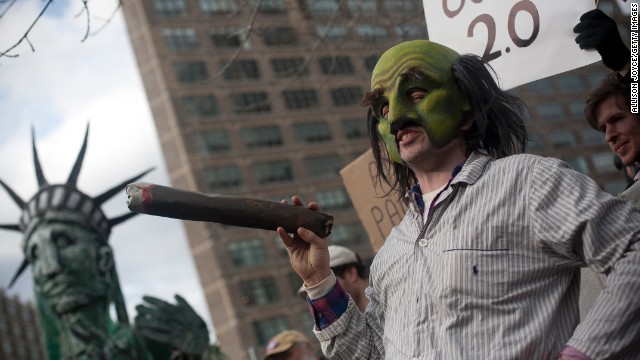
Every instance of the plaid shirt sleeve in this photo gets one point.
(328, 308)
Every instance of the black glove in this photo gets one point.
(600, 32)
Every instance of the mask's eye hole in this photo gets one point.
(384, 110)
(416, 94)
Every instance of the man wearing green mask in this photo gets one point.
(486, 263)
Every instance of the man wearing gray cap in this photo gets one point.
(350, 272)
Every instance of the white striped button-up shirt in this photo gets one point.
(494, 274)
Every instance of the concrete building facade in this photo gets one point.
(20, 333)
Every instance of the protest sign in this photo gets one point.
(523, 40)
(377, 212)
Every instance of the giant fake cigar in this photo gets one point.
(151, 199)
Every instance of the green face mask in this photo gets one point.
(440, 112)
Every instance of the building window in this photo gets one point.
(279, 36)
(308, 323)
(535, 142)
(371, 61)
(322, 7)
(6, 345)
(296, 283)
(273, 171)
(286, 67)
(615, 186)
(362, 7)
(592, 137)
(550, 111)
(577, 109)
(410, 31)
(579, 163)
(335, 65)
(603, 162)
(257, 292)
(248, 252)
(300, 98)
(170, 7)
(230, 38)
(247, 103)
(312, 132)
(562, 139)
(180, 39)
(323, 166)
(209, 142)
(335, 32)
(345, 96)
(241, 69)
(354, 128)
(263, 136)
(595, 79)
(348, 234)
(218, 6)
(190, 72)
(570, 84)
(371, 32)
(279, 245)
(333, 199)
(222, 177)
(199, 106)
(270, 6)
(542, 86)
(266, 329)
(399, 6)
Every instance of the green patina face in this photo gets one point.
(440, 112)
(65, 256)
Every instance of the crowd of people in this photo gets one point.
(486, 263)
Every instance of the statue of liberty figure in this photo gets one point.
(66, 243)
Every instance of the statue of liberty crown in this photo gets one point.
(65, 197)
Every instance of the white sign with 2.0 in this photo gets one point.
(523, 40)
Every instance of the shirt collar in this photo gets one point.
(472, 169)
(416, 192)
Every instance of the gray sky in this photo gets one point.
(58, 89)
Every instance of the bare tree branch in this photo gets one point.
(109, 19)
(7, 8)
(235, 55)
(85, 9)
(26, 34)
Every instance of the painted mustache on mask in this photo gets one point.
(401, 124)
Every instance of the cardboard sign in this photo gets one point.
(377, 212)
(523, 40)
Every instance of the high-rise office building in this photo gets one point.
(261, 98)
(20, 334)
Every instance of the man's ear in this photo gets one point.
(468, 124)
(105, 259)
(351, 274)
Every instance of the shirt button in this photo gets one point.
(422, 242)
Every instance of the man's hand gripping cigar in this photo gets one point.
(308, 253)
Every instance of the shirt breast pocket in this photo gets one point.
(476, 263)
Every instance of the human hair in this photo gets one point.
(361, 269)
(610, 86)
(498, 122)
